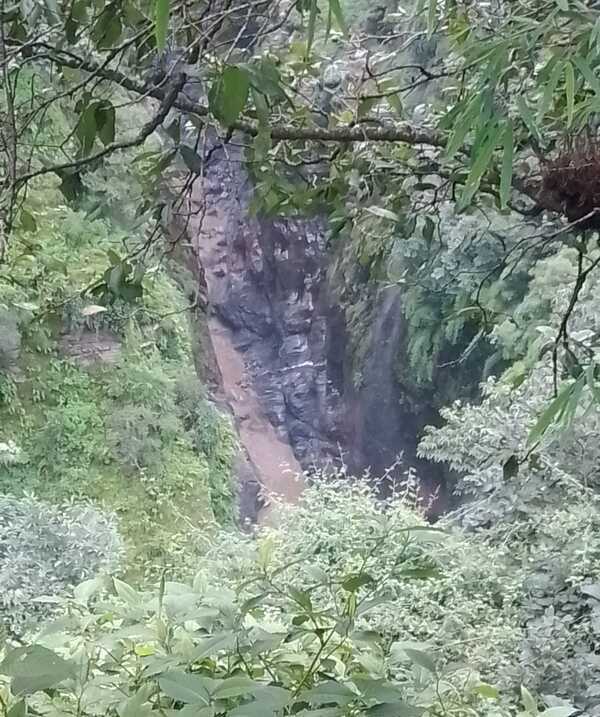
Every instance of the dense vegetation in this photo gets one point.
(452, 147)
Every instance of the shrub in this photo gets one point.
(46, 548)
(268, 647)
(10, 340)
(464, 600)
(536, 508)
(136, 435)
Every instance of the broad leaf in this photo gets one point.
(229, 94)
(592, 590)
(353, 583)
(27, 221)
(421, 658)
(561, 711)
(184, 687)
(35, 668)
(19, 709)
(529, 702)
(235, 687)
(327, 692)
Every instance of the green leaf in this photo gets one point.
(395, 102)
(123, 590)
(528, 119)
(312, 21)
(34, 668)
(510, 468)
(113, 257)
(228, 94)
(213, 644)
(354, 582)
(481, 161)
(379, 690)
(562, 711)
(174, 130)
(529, 702)
(336, 10)
(431, 17)
(421, 658)
(383, 213)
(130, 292)
(27, 221)
(19, 709)
(507, 166)
(461, 128)
(184, 687)
(104, 116)
(592, 590)
(191, 160)
(326, 692)
(301, 597)
(161, 23)
(563, 5)
(590, 378)
(552, 413)
(570, 91)
(235, 687)
(85, 590)
(487, 691)
(86, 128)
(587, 73)
(424, 573)
(394, 710)
(428, 229)
(549, 89)
(134, 707)
(107, 28)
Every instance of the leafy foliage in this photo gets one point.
(538, 507)
(193, 646)
(45, 549)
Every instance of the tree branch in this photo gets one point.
(168, 101)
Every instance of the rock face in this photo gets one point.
(269, 293)
(266, 282)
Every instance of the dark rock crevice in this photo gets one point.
(270, 284)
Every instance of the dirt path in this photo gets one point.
(275, 466)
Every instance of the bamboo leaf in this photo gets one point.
(528, 119)
(431, 17)
(552, 413)
(462, 128)
(587, 73)
(312, 21)
(161, 23)
(550, 88)
(507, 167)
(336, 11)
(570, 92)
(480, 164)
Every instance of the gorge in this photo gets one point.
(282, 352)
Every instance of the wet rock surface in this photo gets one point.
(269, 295)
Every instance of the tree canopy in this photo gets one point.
(484, 107)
